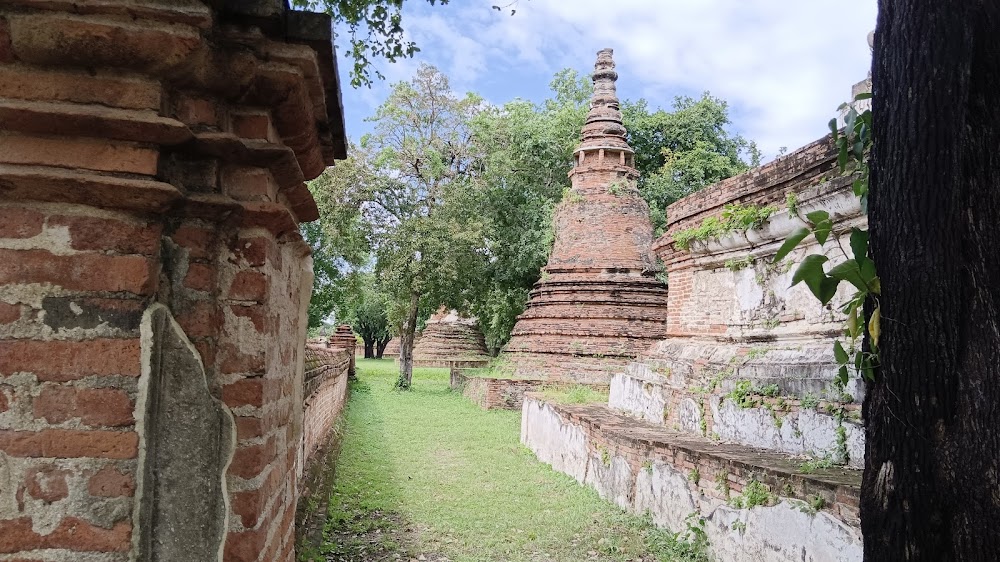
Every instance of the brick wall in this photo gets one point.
(153, 284)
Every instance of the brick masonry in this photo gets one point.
(448, 339)
(155, 153)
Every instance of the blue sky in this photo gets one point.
(783, 65)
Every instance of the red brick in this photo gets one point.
(200, 277)
(48, 84)
(17, 535)
(18, 222)
(88, 154)
(200, 319)
(256, 251)
(81, 272)
(68, 443)
(246, 427)
(47, 483)
(109, 483)
(251, 460)
(255, 314)
(249, 286)
(68, 360)
(245, 546)
(248, 506)
(249, 184)
(93, 406)
(246, 392)
(197, 240)
(4, 404)
(92, 233)
(9, 313)
(196, 111)
(251, 125)
(232, 360)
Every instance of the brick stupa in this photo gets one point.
(598, 304)
(450, 340)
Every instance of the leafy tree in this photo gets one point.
(426, 238)
(930, 488)
(366, 311)
(374, 29)
(682, 151)
(339, 240)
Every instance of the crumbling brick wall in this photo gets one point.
(153, 283)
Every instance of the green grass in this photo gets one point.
(580, 394)
(426, 472)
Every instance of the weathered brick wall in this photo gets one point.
(153, 284)
(448, 338)
(736, 324)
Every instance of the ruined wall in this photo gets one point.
(153, 284)
(748, 358)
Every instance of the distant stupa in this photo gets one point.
(598, 304)
(449, 339)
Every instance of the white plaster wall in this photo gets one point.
(639, 397)
(785, 532)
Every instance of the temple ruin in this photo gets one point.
(154, 398)
(598, 304)
(734, 414)
(450, 340)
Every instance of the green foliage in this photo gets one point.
(809, 402)
(736, 264)
(578, 394)
(735, 217)
(374, 30)
(683, 150)
(857, 269)
(812, 465)
(754, 494)
(694, 476)
(689, 545)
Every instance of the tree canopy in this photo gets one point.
(453, 197)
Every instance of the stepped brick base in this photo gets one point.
(644, 467)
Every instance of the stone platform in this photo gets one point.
(501, 393)
(643, 467)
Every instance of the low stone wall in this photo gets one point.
(494, 393)
(644, 468)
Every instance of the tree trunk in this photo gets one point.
(931, 489)
(406, 343)
(369, 348)
(380, 347)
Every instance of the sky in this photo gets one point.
(782, 65)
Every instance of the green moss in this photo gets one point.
(579, 394)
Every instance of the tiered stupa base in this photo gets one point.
(450, 341)
(585, 327)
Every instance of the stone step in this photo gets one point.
(754, 504)
(785, 424)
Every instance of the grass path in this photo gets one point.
(426, 475)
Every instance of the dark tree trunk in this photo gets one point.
(931, 488)
(369, 348)
(380, 347)
(406, 343)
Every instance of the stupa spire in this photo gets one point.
(604, 128)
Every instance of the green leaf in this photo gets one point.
(817, 216)
(842, 376)
(863, 96)
(811, 272)
(790, 243)
(849, 271)
(822, 231)
(834, 130)
(859, 243)
(839, 353)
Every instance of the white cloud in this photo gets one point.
(783, 65)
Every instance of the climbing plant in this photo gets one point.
(853, 147)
